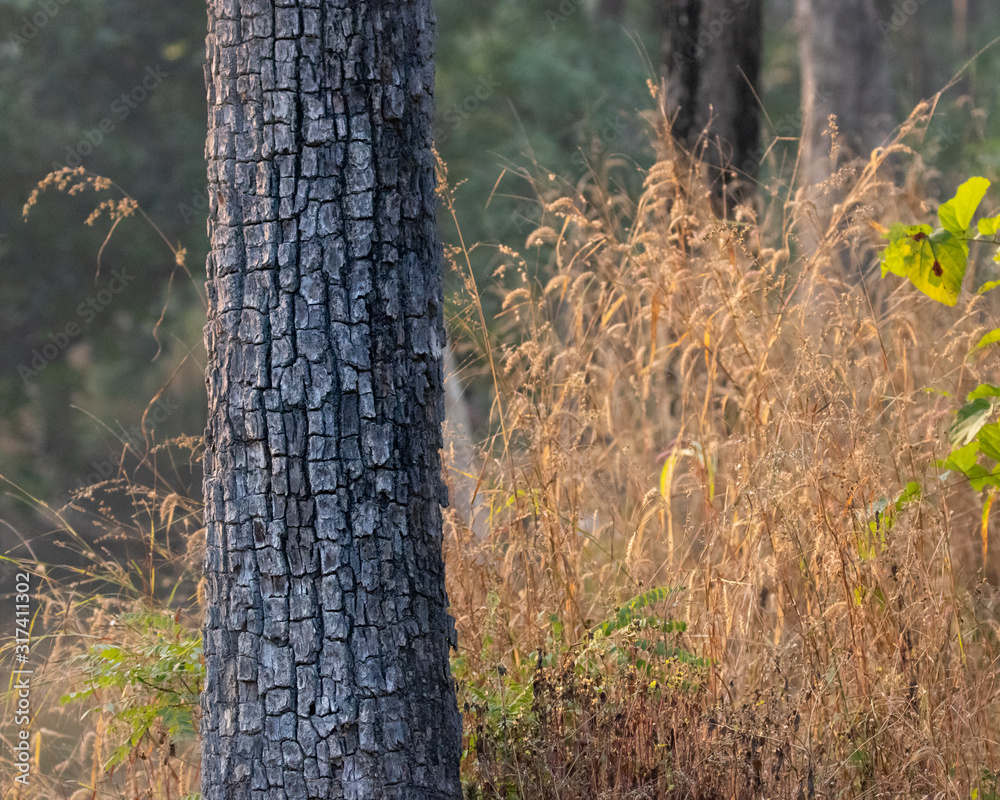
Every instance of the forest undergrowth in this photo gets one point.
(710, 552)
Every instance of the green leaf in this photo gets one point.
(990, 338)
(988, 226)
(969, 420)
(73, 697)
(110, 653)
(989, 441)
(626, 613)
(989, 285)
(557, 627)
(983, 390)
(940, 278)
(956, 215)
(934, 261)
(905, 242)
(961, 459)
(980, 478)
(910, 494)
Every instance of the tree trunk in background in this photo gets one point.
(711, 61)
(611, 9)
(844, 73)
(960, 27)
(326, 632)
(461, 455)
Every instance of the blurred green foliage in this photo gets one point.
(540, 87)
(154, 679)
(117, 86)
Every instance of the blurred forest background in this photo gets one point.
(806, 402)
(523, 87)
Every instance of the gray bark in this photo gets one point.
(711, 58)
(461, 453)
(845, 73)
(612, 10)
(326, 631)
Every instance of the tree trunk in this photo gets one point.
(612, 10)
(711, 58)
(844, 73)
(326, 632)
(460, 451)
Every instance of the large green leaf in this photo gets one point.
(956, 215)
(989, 338)
(903, 252)
(934, 261)
(988, 226)
(989, 440)
(969, 420)
(961, 459)
(940, 278)
(983, 390)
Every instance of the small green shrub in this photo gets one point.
(935, 261)
(151, 675)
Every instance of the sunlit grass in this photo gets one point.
(699, 566)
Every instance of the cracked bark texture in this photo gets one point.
(326, 632)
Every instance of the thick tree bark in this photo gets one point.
(326, 632)
(711, 58)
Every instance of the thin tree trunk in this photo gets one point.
(611, 9)
(460, 453)
(711, 57)
(844, 73)
(960, 26)
(326, 631)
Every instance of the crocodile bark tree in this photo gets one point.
(326, 633)
(711, 55)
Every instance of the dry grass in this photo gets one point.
(118, 614)
(684, 402)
